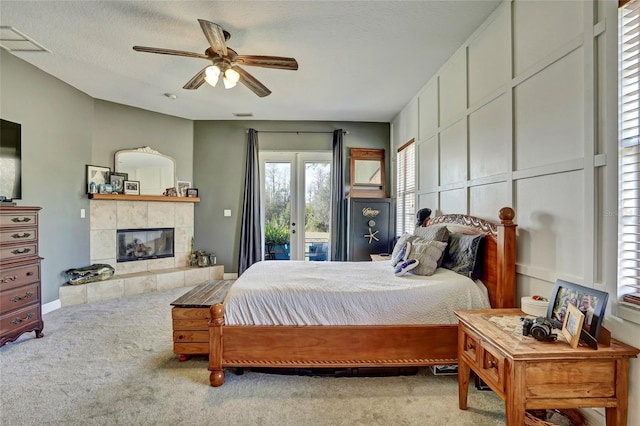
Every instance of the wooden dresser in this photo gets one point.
(529, 374)
(20, 291)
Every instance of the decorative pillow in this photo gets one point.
(427, 253)
(405, 266)
(463, 255)
(400, 245)
(436, 233)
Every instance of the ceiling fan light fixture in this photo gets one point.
(211, 75)
(228, 84)
(231, 77)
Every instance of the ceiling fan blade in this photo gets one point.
(196, 81)
(169, 52)
(278, 62)
(252, 83)
(215, 35)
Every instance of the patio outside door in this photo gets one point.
(296, 200)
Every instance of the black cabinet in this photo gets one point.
(371, 227)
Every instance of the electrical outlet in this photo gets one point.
(227, 212)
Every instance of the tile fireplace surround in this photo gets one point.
(144, 276)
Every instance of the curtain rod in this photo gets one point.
(344, 132)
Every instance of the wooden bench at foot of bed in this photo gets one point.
(367, 345)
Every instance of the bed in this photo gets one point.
(313, 344)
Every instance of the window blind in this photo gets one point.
(406, 189)
(629, 155)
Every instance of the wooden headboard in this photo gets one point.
(498, 255)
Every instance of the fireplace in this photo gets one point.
(142, 244)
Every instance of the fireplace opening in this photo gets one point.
(142, 244)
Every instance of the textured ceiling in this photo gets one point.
(358, 60)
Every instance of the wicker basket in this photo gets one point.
(538, 417)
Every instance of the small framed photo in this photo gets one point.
(192, 192)
(96, 175)
(117, 180)
(171, 192)
(183, 185)
(591, 302)
(131, 187)
(105, 188)
(572, 325)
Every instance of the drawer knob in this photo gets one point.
(7, 279)
(19, 298)
(21, 219)
(24, 235)
(21, 251)
(29, 273)
(19, 320)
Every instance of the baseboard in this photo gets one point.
(51, 306)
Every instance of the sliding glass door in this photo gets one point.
(296, 196)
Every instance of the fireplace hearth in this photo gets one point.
(143, 244)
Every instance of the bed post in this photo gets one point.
(216, 378)
(506, 291)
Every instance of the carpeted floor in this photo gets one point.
(112, 363)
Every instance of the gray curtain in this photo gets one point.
(338, 202)
(251, 246)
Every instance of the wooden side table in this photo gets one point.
(190, 317)
(529, 374)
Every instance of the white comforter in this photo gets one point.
(347, 293)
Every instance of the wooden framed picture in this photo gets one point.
(192, 192)
(96, 175)
(572, 325)
(131, 187)
(117, 180)
(171, 192)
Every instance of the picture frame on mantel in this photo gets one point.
(96, 175)
(131, 187)
(182, 186)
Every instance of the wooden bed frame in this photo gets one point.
(367, 345)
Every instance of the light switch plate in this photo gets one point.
(227, 212)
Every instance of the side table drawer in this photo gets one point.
(493, 367)
(470, 344)
(19, 276)
(18, 297)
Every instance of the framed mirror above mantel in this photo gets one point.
(367, 170)
(154, 171)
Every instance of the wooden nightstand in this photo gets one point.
(528, 374)
(380, 257)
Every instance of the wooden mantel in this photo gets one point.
(128, 197)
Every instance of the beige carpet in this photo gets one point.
(112, 363)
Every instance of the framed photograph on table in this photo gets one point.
(117, 180)
(572, 325)
(183, 185)
(590, 302)
(131, 187)
(96, 175)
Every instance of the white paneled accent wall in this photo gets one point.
(524, 114)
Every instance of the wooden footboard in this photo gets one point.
(326, 346)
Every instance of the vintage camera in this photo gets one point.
(540, 328)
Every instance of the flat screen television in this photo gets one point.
(10, 160)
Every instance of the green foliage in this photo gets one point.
(275, 234)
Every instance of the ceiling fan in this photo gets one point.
(226, 61)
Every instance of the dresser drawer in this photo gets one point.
(22, 318)
(19, 251)
(18, 235)
(19, 297)
(19, 276)
(18, 219)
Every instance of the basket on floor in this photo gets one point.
(539, 417)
